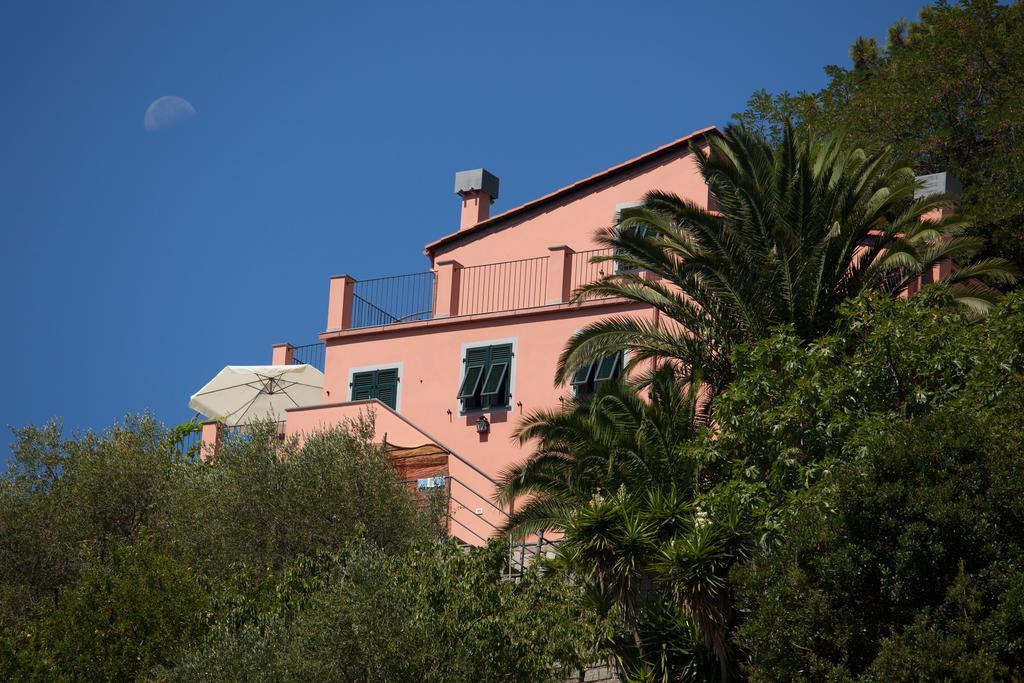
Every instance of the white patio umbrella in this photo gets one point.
(241, 394)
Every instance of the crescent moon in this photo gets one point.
(167, 111)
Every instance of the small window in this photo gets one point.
(486, 378)
(640, 231)
(379, 384)
(587, 379)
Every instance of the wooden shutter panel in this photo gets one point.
(387, 387)
(606, 368)
(582, 376)
(500, 354)
(471, 381)
(362, 386)
(495, 377)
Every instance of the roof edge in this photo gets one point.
(578, 185)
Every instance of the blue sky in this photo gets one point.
(137, 263)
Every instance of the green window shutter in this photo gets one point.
(495, 377)
(379, 384)
(486, 378)
(387, 387)
(471, 381)
(478, 356)
(582, 376)
(501, 354)
(363, 385)
(607, 368)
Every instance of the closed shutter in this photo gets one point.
(378, 384)
(362, 386)
(387, 387)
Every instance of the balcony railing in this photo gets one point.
(390, 300)
(453, 290)
(584, 272)
(498, 287)
(311, 354)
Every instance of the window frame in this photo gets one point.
(619, 208)
(591, 383)
(510, 374)
(400, 367)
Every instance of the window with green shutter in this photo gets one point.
(486, 378)
(587, 379)
(639, 231)
(379, 384)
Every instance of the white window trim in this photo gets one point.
(514, 341)
(380, 366)
(618, 214)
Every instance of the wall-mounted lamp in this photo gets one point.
(449, 414)
(482, 425)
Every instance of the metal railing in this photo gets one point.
(507, 286)
(189, 445)
(310, 354)
(584, 272)
(486, 288)
(455, 496)
(395, 299)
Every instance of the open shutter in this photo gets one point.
(476, 362)
(607, 368)
(497, 384)
(496, 375)
(362, 386)
(582, 376)
(638, 230)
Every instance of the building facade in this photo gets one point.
(451, 358)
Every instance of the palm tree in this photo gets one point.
(799, 227)
(596, 444)
(612, 473)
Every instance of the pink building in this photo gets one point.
(451, 357)
(454, 355)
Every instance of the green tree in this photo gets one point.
(263, 503)
(945, 92)
(801, 226)
(595, 445)
(432, 613)
(905, 563)
(124, 615)
(95, 527)
(885, 457)
(615, 475)
(63, 502)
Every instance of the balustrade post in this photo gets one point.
(446, 289)
(282, 354)
(559, 274)
(213, 433)
(340, 302)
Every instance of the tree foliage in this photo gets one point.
(946, 91)
(800, 226)
(120, 559)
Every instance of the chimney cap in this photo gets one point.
(475, 180)
(935, 183)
